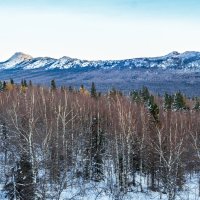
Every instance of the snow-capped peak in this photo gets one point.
(62, 63)
(173, 53)
(66, 58)
(22, 56)
(16, 59)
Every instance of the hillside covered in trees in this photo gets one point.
(63, 143)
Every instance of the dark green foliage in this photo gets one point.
(11, 81)
(30, 83)
(135, 96)
(197, 104)
(93, 91)
(97, 150)
(121, 172)
(23, 83)
(70, 89)
(53, 85)
(4, 85)
(153, 108)
(179, 102)
(168, 100)
(94, 163)
(24, 179)
(144, 93)
(21, 183)
(144, 96)
(82, 87)
(1, 86)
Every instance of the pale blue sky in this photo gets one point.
(98, 29)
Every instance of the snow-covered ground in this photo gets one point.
(98, 191)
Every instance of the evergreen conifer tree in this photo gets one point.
(24, 179)
(30, 83)
(70, 89)
(93, 91)
(1, 86)
(82, 87)
(53, 85)
(179, 102)
(11, 81)
(153, 108)
(4, 85)
(135, 96)
(197, 104)
(144, 93)
(25, 83)
(94, 162)
(83, 90)
(20, 185)
(97, 150)
(168, 100)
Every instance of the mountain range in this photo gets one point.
(172, 72)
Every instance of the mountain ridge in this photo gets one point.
(176, 60)
(169, 73)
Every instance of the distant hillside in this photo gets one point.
(172, 72)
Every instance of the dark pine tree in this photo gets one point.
(20, 185)
(82, 87)
(153, 108)
(196, 105)
(179, 102)
(97, 149)
(135, 96)
(4, 85)
(25, 83)
(168, 100)
(70, 89)
(93, 91)
(121, 173)
(53, 85)
(30, 83)
(1, 86)
(11, 81)
(144, 93)
(93, 168)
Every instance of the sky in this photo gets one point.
(98, 29)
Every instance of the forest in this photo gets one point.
(54, 139)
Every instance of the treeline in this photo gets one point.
(56, 138)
